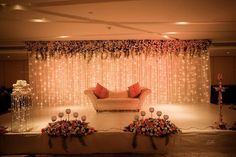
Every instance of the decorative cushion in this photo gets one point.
(134, 90)
(101, 92)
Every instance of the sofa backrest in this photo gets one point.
(122, 94)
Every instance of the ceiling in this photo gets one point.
(22, 20)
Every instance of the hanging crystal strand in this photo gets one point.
(220, 98)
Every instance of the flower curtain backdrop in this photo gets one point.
(177, 71)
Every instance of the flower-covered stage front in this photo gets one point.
(195, 121)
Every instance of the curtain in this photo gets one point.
(61, 80)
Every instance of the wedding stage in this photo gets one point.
(176, 71)
(194, 120)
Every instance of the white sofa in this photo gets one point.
(117, 101)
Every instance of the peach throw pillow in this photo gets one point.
(101, 92)
(134, 90)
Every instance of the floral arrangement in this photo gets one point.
(68, 127)
(21, 87)
(115, 48)
(152, 127)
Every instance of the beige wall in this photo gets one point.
(226, 66)
(12, 70)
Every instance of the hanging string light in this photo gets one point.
(175, 71)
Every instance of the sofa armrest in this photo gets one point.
(91, 95)
(144, 93)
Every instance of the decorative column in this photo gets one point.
(21, 106)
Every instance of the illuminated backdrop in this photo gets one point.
(176, 71)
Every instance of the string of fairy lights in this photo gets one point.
(172, 78)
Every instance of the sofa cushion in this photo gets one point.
(123, 94)
(134, 90)
(101, 92)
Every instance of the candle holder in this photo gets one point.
(54, 118)
(60, 115)
(83, 118)
(68, 111)
(75, 114)
(151, 110)
(221, 124)
(143, 113)
(159, 113)
(136, 118)
(165, 117)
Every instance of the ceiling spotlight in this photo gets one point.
(63, 36)
(170, 33)
(39, 20)
(166, 36)
(18, 7)
(182, 23)
(3, 4)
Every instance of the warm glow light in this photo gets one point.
(170, 33)
(3, 4)
(39, 20)
(18, 7)
(172, 79)
(63, 36)
(182, 23)
(166, 36)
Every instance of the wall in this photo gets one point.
(225, 65)
(12, 70)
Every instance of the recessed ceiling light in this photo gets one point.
(3, 4)
(39, 20)
(170, 33)
(18, 7)
(63, 36)
(166, 36)
(182, 23)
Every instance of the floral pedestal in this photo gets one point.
(20, 107)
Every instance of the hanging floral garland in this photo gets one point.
(115, 48)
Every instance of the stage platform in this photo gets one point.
(196, 121)
(188, 117)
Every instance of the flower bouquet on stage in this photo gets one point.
(152, 127)
(65, 127)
